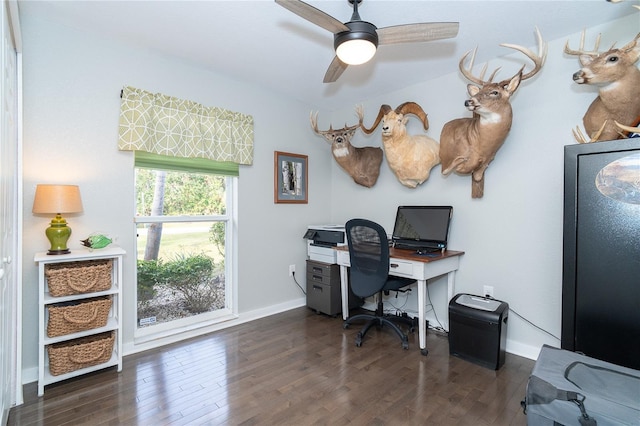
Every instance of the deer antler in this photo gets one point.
(581, 50)
(631, 44)
(628, 128)
(538, 59)
(467, 72)
(595, 52)
(314, 125)
(581, 138)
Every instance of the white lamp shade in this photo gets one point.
(356, 52)
(57, 199)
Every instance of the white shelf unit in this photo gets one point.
(114, 321)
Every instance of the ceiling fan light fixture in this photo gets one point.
(356, 52)
(358, 45)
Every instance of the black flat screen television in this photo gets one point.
(422, 228)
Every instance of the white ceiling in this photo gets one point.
(262, 43)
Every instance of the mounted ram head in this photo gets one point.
(410, 157)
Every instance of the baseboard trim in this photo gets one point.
(520, 349)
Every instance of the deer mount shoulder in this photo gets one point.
(468, 145)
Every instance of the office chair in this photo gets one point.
(369, 275)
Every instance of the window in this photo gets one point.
(187, 158)
(183, 222)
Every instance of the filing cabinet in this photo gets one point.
(323, 288)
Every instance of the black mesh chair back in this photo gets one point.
(369, 275)
(369, 256)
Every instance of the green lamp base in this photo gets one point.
(58, 234)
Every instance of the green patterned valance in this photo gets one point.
(164, 125)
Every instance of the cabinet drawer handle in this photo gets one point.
(317, 287)
(317, 277)
(316, 269)
(394, 265)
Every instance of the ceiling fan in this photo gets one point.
(356, 41)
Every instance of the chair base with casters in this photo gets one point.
(379, 319)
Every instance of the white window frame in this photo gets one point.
(206, 319)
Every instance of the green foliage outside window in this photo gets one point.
(149, 273)
(190, 277)
(184, 193)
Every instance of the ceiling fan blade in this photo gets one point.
(335, 70)
(313, 15)
(411, 33)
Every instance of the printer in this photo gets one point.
(321, 240)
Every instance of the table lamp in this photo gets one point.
(57, 199)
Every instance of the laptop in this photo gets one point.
(422, 228)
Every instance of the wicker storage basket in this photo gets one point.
(80, 353)
(71, 317)
(87, 276)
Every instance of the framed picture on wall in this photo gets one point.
(290, 176)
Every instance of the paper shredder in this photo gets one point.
(478, 329)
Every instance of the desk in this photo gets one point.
(408, 264)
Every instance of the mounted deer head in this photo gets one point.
(468, 145)
(618, 81)
(362, 164)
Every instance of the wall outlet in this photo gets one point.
(292, 269)
(487, 291)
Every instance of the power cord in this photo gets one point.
(398, 310)
(440, 327)
(293, 274)
(428, 308)
(539, 328)
(526, 320)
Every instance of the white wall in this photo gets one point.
(512, 237)
(72, 83)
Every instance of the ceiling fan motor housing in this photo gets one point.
(358, 30)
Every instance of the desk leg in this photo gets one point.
(451, 287)
(344, 291)
(422, 325)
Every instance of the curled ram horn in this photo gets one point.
(384, 109)
(415, 109)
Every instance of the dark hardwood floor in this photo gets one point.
(294, 368)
